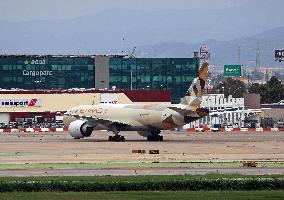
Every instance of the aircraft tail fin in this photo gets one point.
(195, 91)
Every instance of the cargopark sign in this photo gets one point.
(232, 70)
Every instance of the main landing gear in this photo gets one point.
(116, 137)
(155, 136)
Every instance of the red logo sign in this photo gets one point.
(32, 102)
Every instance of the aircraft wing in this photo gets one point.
(92, 120)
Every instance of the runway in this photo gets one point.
(52, 154)
(147, 171)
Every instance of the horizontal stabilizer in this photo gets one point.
(199, 112)
(182, 111)
(191, 101)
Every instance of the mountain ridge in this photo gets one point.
(120, 29)
(225, 52)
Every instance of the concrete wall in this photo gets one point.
(101, 72)
(277, 114)
(252, 101)
(4, 118)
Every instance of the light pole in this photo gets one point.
(223, 90)
(131, 86)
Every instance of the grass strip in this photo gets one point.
(143, 184)
(140, 178)
(153, 195)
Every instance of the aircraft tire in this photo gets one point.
(155, 138)
(110, 138)
(118, 138)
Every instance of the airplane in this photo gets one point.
(147, 120)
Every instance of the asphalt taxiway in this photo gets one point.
(33, 154)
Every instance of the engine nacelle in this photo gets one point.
(79, 129)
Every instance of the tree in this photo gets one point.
(271, 92)
(230, 86)
(255, 88)
(217, 79)
(274, 91)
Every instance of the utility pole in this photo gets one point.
(266, 76)
(131, 83)
(132, 53)
(122, 46)
(239, 55)
(257, 60)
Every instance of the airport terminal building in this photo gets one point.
(100, 72)
(37, 87)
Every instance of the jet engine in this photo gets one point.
(79, 129)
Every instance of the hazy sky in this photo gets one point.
(25, 10)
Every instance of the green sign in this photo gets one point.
(232, 70)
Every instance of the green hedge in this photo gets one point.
(194, 185)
